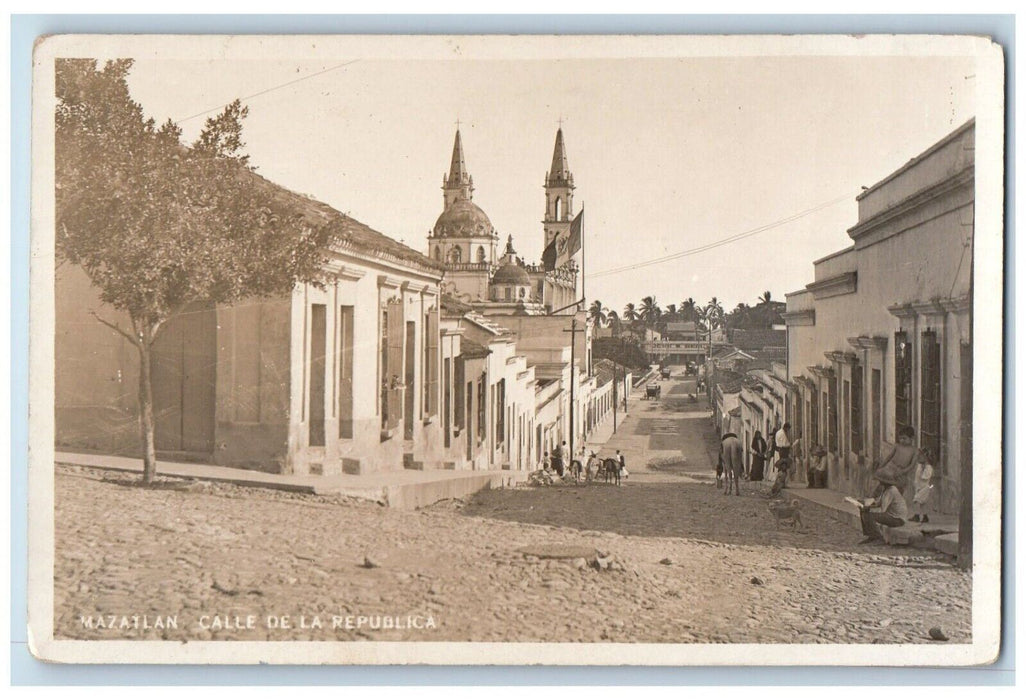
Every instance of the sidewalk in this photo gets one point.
(406, 489)
(940, 534)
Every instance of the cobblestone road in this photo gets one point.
(688, 564)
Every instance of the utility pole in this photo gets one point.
(614, 397)
(573, 331)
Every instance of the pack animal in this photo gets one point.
(611, 470)
(787, 513)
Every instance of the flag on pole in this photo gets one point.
(568, 245)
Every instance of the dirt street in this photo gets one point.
(675, 560)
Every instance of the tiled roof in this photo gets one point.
(470, 349)
(452, 305)
(757, 339)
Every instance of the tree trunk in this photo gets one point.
(146, 425)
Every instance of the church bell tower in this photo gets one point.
(559, 193)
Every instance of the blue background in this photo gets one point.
(26, 670)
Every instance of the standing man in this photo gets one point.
(782, 442)
(623, 466)
(557, 458)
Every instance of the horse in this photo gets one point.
(611, 470)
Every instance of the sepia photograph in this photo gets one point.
(590, 350)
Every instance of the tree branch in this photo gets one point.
(116, 327)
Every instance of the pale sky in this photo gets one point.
(667, 154)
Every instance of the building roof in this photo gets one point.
(769, 355)
(729, 382)
(681, 327)
(472, 350)
(511, 273)
(454, 306)
(487, 324)
(458, 173)
(463, 219)
(347, 233)
(757, 338)
(559, 171)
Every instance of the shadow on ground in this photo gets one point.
(671, 509)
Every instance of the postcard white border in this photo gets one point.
(987, 344)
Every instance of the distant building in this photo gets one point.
(880, 340)
(465, 242)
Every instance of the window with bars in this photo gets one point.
(902, 382)
(856, 409)
(930, 393)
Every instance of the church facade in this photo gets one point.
(466, 243)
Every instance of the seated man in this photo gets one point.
(780, 482)
(893, 511)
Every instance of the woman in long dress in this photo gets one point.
(758, 457)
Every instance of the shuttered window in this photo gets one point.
(857, 429)
(500, 411)
(930, 391)
(431, 362)
(458, 401)
(392, 334)
(902, 382)
(814, 417)
(832, 414)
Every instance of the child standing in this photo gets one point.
(923, 486)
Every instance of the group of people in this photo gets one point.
(904, 467)
(585, 466)
(779, 446)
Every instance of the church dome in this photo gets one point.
(463, 219)
(511, 273)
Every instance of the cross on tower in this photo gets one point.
(561, 122)
(457, 123)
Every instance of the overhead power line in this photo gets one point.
(723, 241)
(270, 89)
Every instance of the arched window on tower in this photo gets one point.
(559, 208)
(438, 253)
(455, 255)
(480, 254)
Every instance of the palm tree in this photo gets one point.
(671, 312)
(630, 313)
(689, 310)
(596, 313)
(766, 297)
(613, 319)
(714, 313)
(650, 310)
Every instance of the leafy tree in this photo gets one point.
(596, 313)
(689, 310)
(614, 321)
(157, 225)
